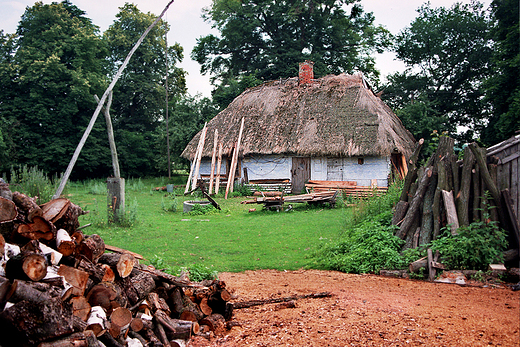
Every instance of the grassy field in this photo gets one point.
(229, 240)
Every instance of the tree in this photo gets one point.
(139, 96)
(447, 53)
(54, 68)
(267, 39)
(503, 86)
(7, 48)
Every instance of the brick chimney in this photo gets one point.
(306, 73)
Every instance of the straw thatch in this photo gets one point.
(334, 116)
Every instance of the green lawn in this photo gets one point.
(229, 240)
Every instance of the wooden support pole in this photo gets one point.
(116, 199)
(199, 157)
(219, 163)
(231, 174)
(213, 157)
(110, 132)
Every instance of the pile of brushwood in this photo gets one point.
(59, 287)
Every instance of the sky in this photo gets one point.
(186, 25)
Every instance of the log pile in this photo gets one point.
(446, 191)
(59, 287)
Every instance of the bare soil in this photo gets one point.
(367, 310)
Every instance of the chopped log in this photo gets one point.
(247, 304)
(52, 256)
(157, 303)
(120, 250)
(123, 263)
(28, 205)
(55, 209)
(204, 307)
(412, 172)
(411, 215)
(137, 336)
(154, 341)
(7, 210)
(415, 266)
(21, 290)
(176, 328)
(26, 266)
(190, 311)
(143, 283)
(109, 275)
(75, 277)
(38, 229)
(69, 220)
(96, 320)
(161, 334)
(64, 242)
(96, 271)
(80, 307)
(136, 324)
(215, 322)
(166, 277)
(76, 339)
(121, 317)
(102, 295)
(110, 341)
(5, 192)
(29, 323)
(451, 211)
(92, 247)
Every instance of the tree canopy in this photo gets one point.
(52, 67)
(447, 53)
(267, 39)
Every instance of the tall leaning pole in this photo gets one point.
(72, 162)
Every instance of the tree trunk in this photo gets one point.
(411, 215)
(451, 211)
(426, 232)
(463, 197)
(412, 172)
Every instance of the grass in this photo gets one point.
(229, 240)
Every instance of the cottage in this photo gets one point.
(331, 129)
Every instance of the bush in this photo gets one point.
(369, 247)
(474, 247)
(169, 203)
(33, 182)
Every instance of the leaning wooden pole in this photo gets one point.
(199, 157)
(213, 158)
(219, 163)
(66, 176)
(231, 175)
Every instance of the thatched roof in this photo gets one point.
(334, 116)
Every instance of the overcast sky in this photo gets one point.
(184, 17)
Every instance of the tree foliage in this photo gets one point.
(51, 68)
(447, 54)
(503, 86)
(267, 39)
(139, 96)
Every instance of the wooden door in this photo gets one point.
(301, 173)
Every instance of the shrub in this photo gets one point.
(33, 182)
(474, 247)
(169, 203)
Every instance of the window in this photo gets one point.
(360, 160)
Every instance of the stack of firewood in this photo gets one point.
(58, 287)
(447, 191)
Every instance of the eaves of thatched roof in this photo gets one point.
(334, 116)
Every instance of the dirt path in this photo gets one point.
(368, 310)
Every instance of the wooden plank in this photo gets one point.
(219, 163)
(451, 211)
(199, 157)
(235, 161)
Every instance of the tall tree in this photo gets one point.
(138, 106)
(54, 68)
(447, 53)
(268, 38)
(503, 86)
